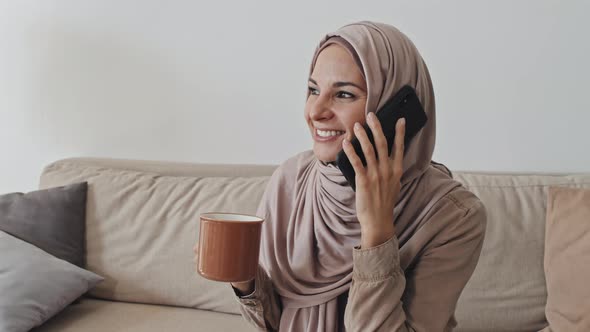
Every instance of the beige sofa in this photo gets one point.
(142, 222)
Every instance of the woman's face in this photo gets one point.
(336, 100)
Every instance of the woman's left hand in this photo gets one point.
(379, 183)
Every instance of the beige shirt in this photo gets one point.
(412, 288)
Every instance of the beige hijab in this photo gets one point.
(311, 226)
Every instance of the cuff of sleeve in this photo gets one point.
(248, 296)
(376, 263)
(252, 299)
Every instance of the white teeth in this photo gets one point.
(329, 133)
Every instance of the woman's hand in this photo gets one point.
(379, 183)
(244, 288)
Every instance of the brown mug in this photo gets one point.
(229, 245)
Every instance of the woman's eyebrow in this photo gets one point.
(339, 84)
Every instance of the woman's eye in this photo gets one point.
(312, 91)
(343, 94)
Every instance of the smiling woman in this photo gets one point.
(392, 256)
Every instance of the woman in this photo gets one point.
(395, 255)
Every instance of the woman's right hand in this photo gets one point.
(244, 288)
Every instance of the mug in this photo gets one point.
(229, 246)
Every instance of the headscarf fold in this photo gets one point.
(311, 224)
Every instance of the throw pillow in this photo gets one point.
(35, 285)
(567, 259)
(51, 219)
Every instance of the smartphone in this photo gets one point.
(404, 104)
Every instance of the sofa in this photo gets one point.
(142, 222)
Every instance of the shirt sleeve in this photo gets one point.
(422, 298)
(261, 308)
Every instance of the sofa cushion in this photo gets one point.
(567, 259)
(507, 291)
(51, 219)
(92, 315)
(35, 285)
(141, 228)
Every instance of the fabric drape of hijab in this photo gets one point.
(311, 225)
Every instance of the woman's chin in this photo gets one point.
(325, 156)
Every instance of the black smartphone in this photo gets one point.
(404, 104)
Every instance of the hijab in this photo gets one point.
(311, 225)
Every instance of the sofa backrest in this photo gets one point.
(507, 290)
(142, 223)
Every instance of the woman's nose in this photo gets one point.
(320, 110)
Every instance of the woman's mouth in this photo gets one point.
(327, 135)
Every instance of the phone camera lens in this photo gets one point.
(405, 101)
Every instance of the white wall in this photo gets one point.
(225, 82)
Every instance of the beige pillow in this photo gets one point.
(567, 259)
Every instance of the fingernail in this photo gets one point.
(371, 116)
(403, 121)
(357, 126)
(344, 142)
